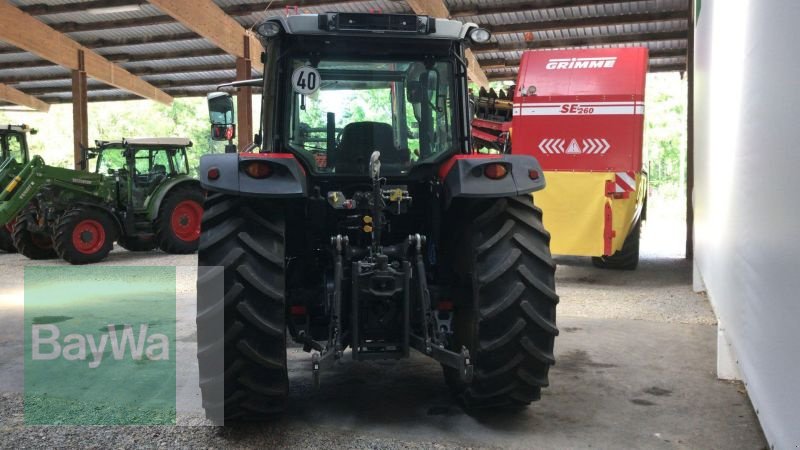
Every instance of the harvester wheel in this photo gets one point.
(84, 235)
(178, 222)
(31, 244)
(6, 242)
(241, 317)
(505, 301)
(137, 244)
(626, 258)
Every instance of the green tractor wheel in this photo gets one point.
(178, 222)
(84, 235)
(6, 242)
(31, 244)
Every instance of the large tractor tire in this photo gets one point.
(137, 244)
(6, 241)
(28, 243)
(626, 258)
(245, 320)
(178, 222)
(505, 301)
(84, 235)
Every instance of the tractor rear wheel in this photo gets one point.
(32, 245)
(84, 235)
(626, 258)
(6, 242)
(137, 244)
(505, 301)
(178, 222)
(241, 325)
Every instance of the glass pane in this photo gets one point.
(401, 109)
(15, 148)
(111, 160)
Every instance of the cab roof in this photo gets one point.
(148, 142)
(17, 128)
(376, 25)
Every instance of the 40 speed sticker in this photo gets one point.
(305, 80)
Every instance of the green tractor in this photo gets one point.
(140, 195)
(13, 155)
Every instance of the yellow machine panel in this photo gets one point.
(582, 218)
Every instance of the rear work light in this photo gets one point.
(495, 171)
(257, 169)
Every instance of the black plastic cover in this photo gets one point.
(466, 179)
(287, 180)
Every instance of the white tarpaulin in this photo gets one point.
(747, 195)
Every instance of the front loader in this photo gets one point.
(365, 227)
(140, 195)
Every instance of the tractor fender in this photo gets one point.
(287, 178)
(154, 202)
(463, 176)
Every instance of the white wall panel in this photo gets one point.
(747, 195)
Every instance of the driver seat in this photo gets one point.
(359, 140)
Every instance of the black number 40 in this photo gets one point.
(307, 80)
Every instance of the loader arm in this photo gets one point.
(35, 176)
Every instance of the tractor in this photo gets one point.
(140, 195)
(13, 155)
(364, 226)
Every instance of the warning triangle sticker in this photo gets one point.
(573, 148)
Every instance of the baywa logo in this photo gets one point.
(100, 345)
(581, 63)
(46, 345)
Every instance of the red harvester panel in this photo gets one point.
(588, 110)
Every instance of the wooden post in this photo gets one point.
(244, 99)
(690, 136)
(80, 111)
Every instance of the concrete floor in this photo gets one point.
(635, 369)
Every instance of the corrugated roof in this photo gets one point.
(152, 45)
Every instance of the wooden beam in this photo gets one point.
(49, 44)
(162, 84)
(437, 8)
(244, 100)
(125, 57)
(207, 19)
(80, 112)
(581, 41)
(17, 97)
(147, 70)
(175, 92)
(127, 41)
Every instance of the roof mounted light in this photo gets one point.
(269, 29)
(480, 35)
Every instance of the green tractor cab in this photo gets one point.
(140, 195)
(13, 156)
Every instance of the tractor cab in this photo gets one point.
(14, 144)
(13, 150)
(141, 165)
(339, 86)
